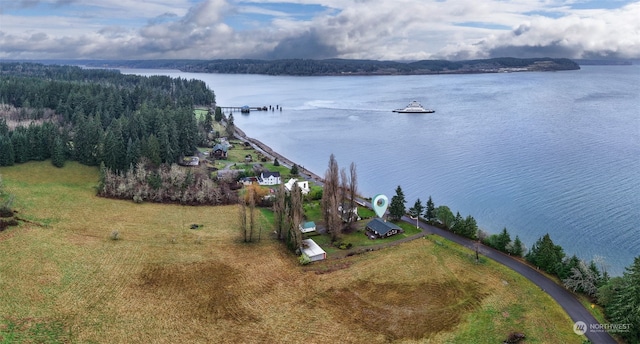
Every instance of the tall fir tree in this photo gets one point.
(429, 213)
(624, 308)
(397, 205)
(58, 156)
(546, 255)
(6, 151)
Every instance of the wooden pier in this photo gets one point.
(248, 109)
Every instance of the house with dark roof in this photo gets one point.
(269, 178)
(378, 228)
(219, 151)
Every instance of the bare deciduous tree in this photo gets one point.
(252, 208)
(242, 215)
(296, 213)
(330, 201)
(279, 211)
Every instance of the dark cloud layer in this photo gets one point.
(308, 45)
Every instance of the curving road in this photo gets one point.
(568, 301)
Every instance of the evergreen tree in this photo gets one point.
(470, 229)
(294, 170)
(231, 127)
(113, 148)
(624, 307)
(58, 156)
(4, 128)
(20, 145)
(133, 152)
(417, 209)
(276, 162)
(397, 205)
(458, 224)
(568, 263)
(546, 255)
(151, 150)
(517, 248)
(502, 240)
(208, 122)
(429, 213)
(218, 115)
(6, 151)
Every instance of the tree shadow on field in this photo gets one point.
(208, 291)
(404, 311)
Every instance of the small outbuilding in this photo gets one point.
(307, 227)
(377, 228)
(313, 250)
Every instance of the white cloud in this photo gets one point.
(371, 29)
(583, 34)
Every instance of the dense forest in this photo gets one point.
(305, 67)
(96, 116)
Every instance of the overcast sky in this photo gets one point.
(317, 29)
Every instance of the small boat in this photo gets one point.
(414, 107)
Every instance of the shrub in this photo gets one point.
(304, 259)
(344, 245)
(5, 211)
(115, 235)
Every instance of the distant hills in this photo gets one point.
(304, 67)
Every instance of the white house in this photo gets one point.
(312, 250)
(303, 185)
(346, 212)
(269, 178)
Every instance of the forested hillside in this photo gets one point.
(349, 67)
(94, 116)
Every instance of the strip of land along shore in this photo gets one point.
(257, 144)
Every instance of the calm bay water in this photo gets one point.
(538, 153)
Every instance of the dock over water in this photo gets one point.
(248, 109)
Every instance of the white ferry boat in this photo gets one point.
(414, 107)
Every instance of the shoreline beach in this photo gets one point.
(265, 149)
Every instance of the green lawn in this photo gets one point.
(200, 114)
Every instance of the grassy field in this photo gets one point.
(62, 279)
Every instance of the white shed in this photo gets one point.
(307, 227)
(312, 250)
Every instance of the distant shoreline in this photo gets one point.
(339, 67)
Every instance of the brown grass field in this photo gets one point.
(62, 279)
